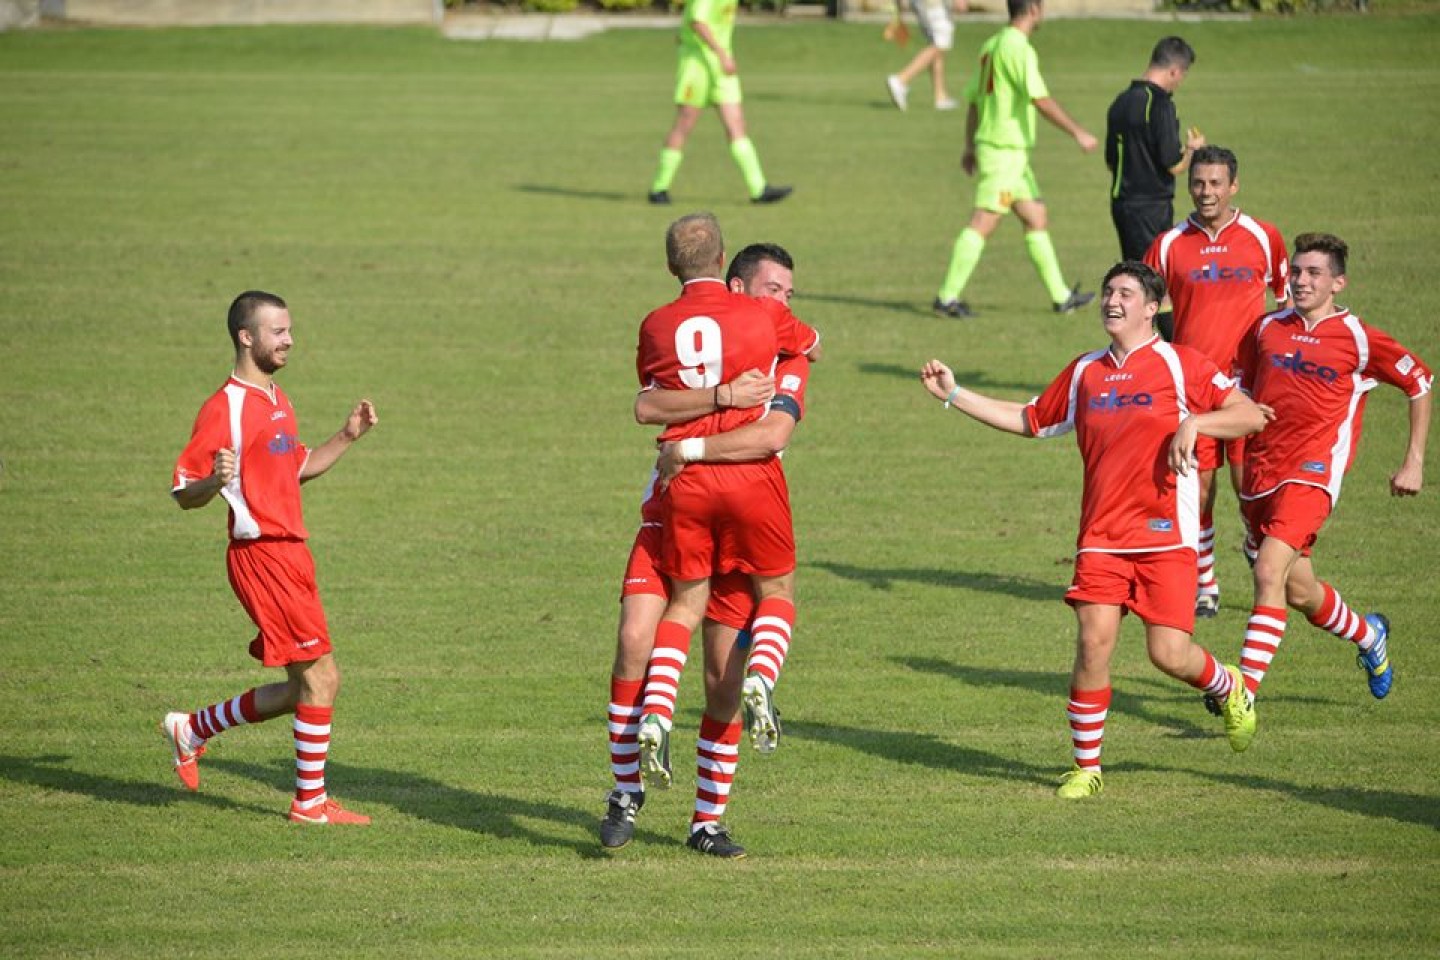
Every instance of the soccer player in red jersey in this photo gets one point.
(1314, 364)
(1217, 267)
(1137, 408)
(245, 447)
(760, 270)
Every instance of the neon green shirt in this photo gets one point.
(718, 15)
(1004, 89)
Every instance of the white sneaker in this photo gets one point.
(949, 103)
(898, 91)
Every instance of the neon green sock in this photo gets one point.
(963, 260)
(669, 163)
(1042, 254)
(749, 163)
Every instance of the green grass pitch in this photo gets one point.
(460, 229)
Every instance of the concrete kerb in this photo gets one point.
(577, 26)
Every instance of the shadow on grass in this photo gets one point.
(494, 814)
(1413, 808)
(924, 749)
(884, 578)
(1140, 705)
(570, 193)
(52, 772)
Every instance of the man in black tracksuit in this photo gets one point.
(1144, 152)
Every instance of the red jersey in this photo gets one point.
(1217, 283)
(791, 378)
(1124, 415)
(710, 335)
(1316, 377)
(260, 427)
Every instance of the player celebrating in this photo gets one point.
(707, 76)
(1004, 93)
(1217, 266)
(723, 517)
(759, 270)
(1314, 364)
(244, 447)
(1137, 408)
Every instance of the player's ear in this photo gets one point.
(736, 285)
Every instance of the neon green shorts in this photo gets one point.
(1004, 177)
(699, 82)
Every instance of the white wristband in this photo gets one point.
(692, 449)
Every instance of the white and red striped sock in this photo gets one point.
(312, 746)
(1335, 616)
(624, 725)
(1087, 711)
(1262, 638)
(208, 721)
(1205, 559)
(1214, 680)
(770, 633)
(716, 754)
(662, 677)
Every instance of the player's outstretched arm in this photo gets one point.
(1407, 481)
(1238, 416)
(325, 456)
(201, 492)
(1005, 415)
(656, 406)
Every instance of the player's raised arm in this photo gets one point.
(1006, 415)
(325, 456)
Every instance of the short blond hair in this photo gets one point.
(694, 247)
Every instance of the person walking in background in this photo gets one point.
(245, 447)
(1004, 94)
(1144, 153)
(938, 26)
(708, 76)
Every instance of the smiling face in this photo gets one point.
(770, 279)
(1212, 189)
(1126, 311)
(1314, 284)
(267, 338)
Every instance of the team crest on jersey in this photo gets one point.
(789, 383)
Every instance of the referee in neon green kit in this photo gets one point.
(1004, 94)
(707, 76)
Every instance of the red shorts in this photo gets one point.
(1293, 513)
(725, 517)
(275, 581)
(732, 598)
(1158, 586)
(1212, 454)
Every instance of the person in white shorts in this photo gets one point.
(936, 23)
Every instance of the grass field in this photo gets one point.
(460, 230)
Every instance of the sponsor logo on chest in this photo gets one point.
(1113, 400)
(1297, 364)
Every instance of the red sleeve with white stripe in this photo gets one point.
(1391, 363)
(210, 433)
(1053, 412)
